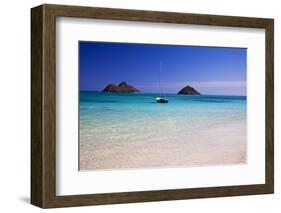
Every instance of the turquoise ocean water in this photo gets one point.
(110, 117)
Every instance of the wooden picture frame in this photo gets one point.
(43, 105)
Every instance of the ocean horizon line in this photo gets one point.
(165, 93)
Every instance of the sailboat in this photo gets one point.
(162, 98)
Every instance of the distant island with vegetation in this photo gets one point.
(122, 87)
(188, 90)
(126, 88)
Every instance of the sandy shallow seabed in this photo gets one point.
(215, 145)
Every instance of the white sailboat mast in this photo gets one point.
(160, 72)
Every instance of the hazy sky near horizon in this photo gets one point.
(210, 70)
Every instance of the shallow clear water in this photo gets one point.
(110, 117)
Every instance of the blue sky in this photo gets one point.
(210, 70)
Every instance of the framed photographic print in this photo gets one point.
(136, 106)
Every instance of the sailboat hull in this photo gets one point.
(161, 100)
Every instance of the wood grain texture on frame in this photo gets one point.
(43, 105)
